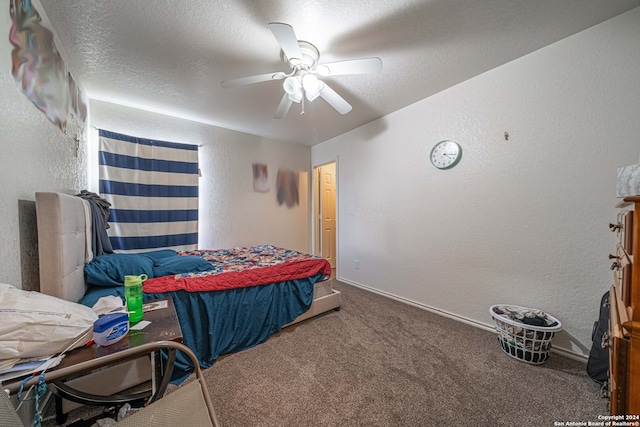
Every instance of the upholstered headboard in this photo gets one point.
(63, 222)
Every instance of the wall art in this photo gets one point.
(287, 187)
(260, 178)
(39, 70)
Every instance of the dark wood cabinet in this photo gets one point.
(624, 327)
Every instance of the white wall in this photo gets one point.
(231, 213)
(35, 156)
(523, 221)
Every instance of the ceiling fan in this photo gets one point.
(302, 82)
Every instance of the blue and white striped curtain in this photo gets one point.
(153, 190)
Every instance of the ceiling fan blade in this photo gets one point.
(350, 66)
(252, 79)
(283, 108)
(335, 100)
(288, 41)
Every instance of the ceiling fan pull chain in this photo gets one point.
(302, 106)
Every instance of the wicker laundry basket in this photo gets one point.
(522, 341)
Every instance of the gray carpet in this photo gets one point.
(378, 362)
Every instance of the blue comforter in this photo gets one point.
(220, 322)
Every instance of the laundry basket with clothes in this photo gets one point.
(525, 333)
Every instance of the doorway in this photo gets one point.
(324, 213)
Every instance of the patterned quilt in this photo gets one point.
(242, 267)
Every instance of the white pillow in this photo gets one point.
(33, 324)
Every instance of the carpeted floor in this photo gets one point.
(378, 362)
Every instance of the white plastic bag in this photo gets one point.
(33, 324)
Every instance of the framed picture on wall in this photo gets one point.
(260, 178)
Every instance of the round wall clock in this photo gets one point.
(445, 154)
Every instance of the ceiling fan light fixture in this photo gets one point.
(292, 87)
(312, 95)
(296, 97)
(311, 86)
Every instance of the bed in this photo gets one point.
(214, 322)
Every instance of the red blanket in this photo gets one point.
(242, 267)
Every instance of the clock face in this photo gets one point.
(446, 154)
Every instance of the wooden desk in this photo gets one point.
(164, 327)
(79, 368)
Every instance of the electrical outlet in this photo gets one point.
(357, 264)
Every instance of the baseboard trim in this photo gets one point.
(491, 328)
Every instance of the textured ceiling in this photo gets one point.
(170, 56)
